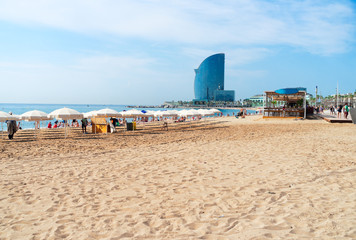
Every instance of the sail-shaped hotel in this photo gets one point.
(209, 80)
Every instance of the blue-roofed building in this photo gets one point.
(209, 80)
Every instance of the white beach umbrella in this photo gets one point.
(194, 112)
(4, 116)
(184, 113)
(66, 114)
(133, 113)
(170, 113)
(206, 112)
(214, 110)
(158, 113)
(90, 114)
(148, 113)
(107, 112)
(189, 113)
(35, 115)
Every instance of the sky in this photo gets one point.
(145, 51)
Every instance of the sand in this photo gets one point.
(219, 179)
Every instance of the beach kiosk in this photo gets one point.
(285, 103)
(99, 125)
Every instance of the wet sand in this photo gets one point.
(217, 179)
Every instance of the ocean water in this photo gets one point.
(20, 108)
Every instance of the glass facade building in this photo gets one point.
(209, 80)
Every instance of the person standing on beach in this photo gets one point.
(11, 127)
(339, 109)
(84, 125)
(346, 110)
(332, 110)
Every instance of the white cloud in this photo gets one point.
(320, 27)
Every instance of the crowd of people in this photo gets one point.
(341, 110)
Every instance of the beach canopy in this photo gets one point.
(107, 112)
(35, 115)
(66, 114)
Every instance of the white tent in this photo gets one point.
(66, 114)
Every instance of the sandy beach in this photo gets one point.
(217, 179)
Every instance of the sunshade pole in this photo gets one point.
(65, 129)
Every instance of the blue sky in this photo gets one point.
(145, 52)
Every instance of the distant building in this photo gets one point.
(256, 100)
(209, 80)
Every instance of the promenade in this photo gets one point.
(334, 119)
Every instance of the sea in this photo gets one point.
(20, 108)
